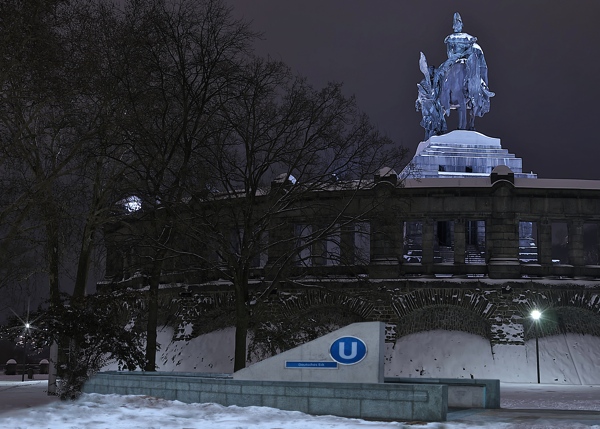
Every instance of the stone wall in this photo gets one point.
(498, 311)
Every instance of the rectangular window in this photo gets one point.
(259, 260)
(325, 249)
(362, 241)
(443, 241)
(475, 248)
(560, 243)
(591, 243)
(317, 245)
(413, 242)
(528, 250)
(302, 234)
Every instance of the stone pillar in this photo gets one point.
(428, 237)
(384, 248)
(459, 241)
(544, 245)
(281, 243)
(377, 240)
(503, 236)
(385, 259)
(348, 244)
(576, 250)
(318, 249)
(116, 246)
(545, 242)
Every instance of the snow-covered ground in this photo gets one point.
(568, 365)
(93, 411)
(550, 396)
(126, 412)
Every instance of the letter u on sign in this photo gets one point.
(348, 350)
(353, 353)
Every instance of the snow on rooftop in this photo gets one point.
(484, 182)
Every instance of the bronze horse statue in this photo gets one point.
(453, 95)
(463, 87)
(460, 83)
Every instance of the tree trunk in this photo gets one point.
(89, 230)
(242, 319)
(53, 262)
(83, 265)
(152, 325)
(52, 369)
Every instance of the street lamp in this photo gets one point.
(535, 315)
(27, 326)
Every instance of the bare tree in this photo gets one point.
(277, 149)
(36, 127)
(174, 60)
(56, 133)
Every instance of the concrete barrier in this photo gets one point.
(391, 401)
(462, 393)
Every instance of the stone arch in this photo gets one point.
(586, 299)
(205, 312)
(473, 301)
(312, 300)
(303, 317)
(447, 309)
(445, 317)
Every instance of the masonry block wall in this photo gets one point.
(497, 311)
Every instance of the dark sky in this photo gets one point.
(542, 55)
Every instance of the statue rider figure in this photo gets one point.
(461, 82)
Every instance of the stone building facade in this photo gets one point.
(474, 254)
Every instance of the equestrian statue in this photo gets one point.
(459, 83)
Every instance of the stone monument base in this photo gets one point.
(463, 153)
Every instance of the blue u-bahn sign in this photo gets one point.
(348, 350)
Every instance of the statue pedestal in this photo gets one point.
(462, 138)
(462, 153)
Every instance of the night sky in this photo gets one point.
(542, 55)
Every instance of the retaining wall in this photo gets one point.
(462, 393)
(401, 402)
